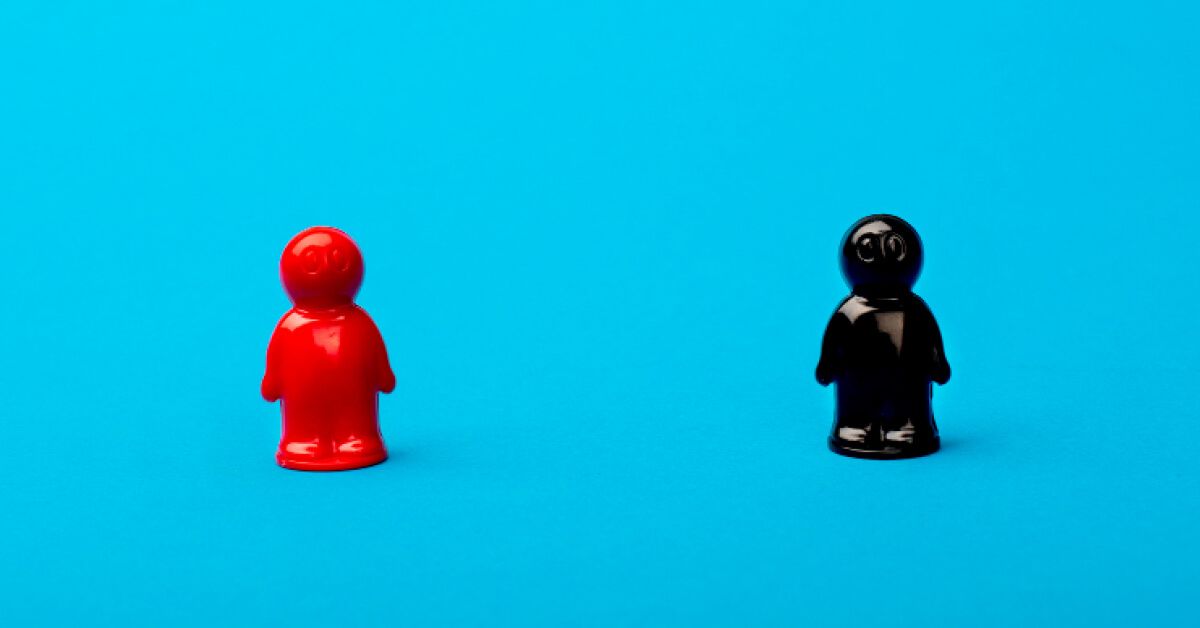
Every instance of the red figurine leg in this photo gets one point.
(304, 445)
(357, 439)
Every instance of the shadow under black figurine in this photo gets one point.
(882, 347)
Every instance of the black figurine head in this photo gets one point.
(881, 254)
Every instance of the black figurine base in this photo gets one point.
(897, 452)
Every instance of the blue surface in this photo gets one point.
(600, 242)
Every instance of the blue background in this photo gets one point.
(601, 244)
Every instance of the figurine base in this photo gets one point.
(340, 463)
(858, 450)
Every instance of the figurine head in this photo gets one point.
(881, 254)
(321, 267)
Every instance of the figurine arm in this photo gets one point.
(383, 368)
(940, 372)
(387, 379)
(939, 368)
(829, 366)
(271, 386)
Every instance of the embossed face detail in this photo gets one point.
(321, 266)
(881, 253)
(872, 247)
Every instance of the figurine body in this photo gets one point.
(882, 347)
(326, 361)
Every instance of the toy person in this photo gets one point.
(883, 348)
(326, 360)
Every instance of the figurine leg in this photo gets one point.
(856, 437)
(311, 454)
(358, 442)
(304, 445)
(911, 439)
(355, 453)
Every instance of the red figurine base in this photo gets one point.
(335, 463)
(326, 362)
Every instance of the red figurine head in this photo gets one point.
(321, 267)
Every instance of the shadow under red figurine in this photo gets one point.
(326, 362)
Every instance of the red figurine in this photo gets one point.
(326, 360)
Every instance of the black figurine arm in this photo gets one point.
(940, 369)
(830, 364)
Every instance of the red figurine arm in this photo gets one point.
(271, 386)
(387, 379)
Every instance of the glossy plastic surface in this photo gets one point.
(326, 361)
(882, 348)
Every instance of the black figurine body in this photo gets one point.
(882, 348)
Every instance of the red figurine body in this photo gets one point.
(326, 361)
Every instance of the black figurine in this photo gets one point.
(882, 347)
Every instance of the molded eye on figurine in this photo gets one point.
(311, 261)
(894, 247)
(867, 248)
(339, 260)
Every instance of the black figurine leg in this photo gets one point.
(862, 438)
